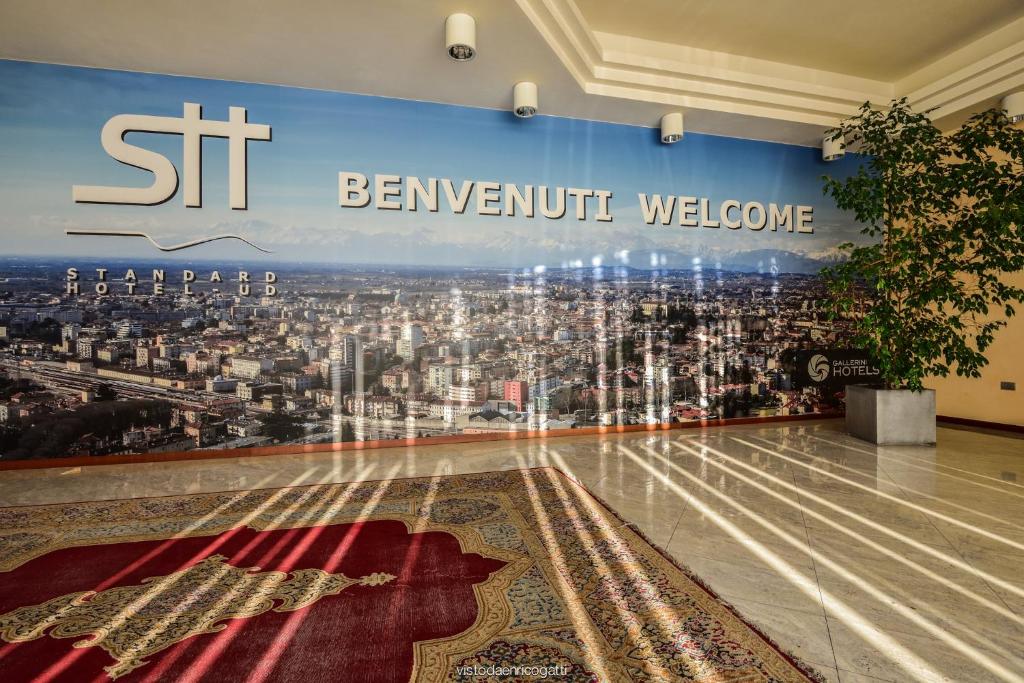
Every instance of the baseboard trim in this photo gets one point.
(980, 424)
(339, 447)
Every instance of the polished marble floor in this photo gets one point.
(893, 564)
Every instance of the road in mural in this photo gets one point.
(303, 320)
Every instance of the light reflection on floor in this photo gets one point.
(871, 563)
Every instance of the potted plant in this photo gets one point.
(945, 218)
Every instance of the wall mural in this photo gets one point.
(192, 264)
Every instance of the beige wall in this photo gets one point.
(981, 398)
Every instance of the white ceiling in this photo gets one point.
(734, 67)
(877, 39)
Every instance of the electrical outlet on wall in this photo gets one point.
(1008, 386)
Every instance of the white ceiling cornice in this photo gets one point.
(690, 78)
(983, 70)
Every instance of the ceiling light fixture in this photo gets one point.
(460, 37)
(1014, 106)
(672, 127)
(832, 147)
(524, 99)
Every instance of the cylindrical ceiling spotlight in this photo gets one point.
(524, 99)
(833, 148)
(460, 37)
(1014, 106)
(672, 127)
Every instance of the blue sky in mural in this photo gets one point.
(51, 117)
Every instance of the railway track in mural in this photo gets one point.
(170, 247)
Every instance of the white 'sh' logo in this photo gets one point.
(193, 128)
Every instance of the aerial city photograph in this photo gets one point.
(322, 314)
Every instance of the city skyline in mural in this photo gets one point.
(372, 321)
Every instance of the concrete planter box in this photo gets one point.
(891, 416)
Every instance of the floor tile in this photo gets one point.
(805, 635)
(792, 589)
(720, 547)
(874, 651)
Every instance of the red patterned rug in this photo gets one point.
(511, 575)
